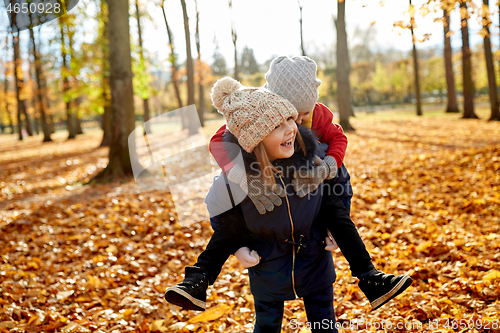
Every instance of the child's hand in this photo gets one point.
(246, 257)
(263, 196)
(331, 244)
(306, 181)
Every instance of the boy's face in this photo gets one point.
(303, 116)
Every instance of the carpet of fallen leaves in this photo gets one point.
(97, 258)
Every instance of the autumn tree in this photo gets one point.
(6, 85)
(415, 60)
(343, 69)
(19, 82)
(40, 90)
(145, 101)
(490, 67)
(452, 106)
(65, 80)
(201, 93)
(468, 84)
(122, 92)
(105, 89)
(174, 68)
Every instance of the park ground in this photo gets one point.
(97, 258)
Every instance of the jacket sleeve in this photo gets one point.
(218, 152)
(329, 133)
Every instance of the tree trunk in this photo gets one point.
(40, 87)
(19, 81)
(77, 127)
(201, 93)
(301, 37)
(190, 70)
(468, 84)
(415, 66)
(343, 85)
(106, 116)
(51, 124)
(490, 67)
(145, 101)
(65, 74)
(6, 86)
(122, 93)
(173, 68)
(452, 106)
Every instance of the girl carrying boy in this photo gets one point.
(295, 79)
(293, 260)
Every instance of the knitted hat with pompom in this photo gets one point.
(251, 113)
(294, 78)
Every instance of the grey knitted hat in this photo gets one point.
(294, 78)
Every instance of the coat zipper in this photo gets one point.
(293, 240)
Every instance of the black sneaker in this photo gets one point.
(380, 288)
(191, 293)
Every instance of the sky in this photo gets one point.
(271, 27)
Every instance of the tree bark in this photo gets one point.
(40, 92)
(145, 101)
(65, 74)
(343, 85)
(201, 92)
(452, 106)
(189, 65)
(122, 93)
(468, 84)
(415, 66)
(490, 67)
(106, 99)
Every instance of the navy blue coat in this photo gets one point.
(294, 262)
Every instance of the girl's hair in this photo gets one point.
(266, 168)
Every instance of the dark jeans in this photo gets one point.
(335, 216)
(319, 310)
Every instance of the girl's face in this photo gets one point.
(279, 143)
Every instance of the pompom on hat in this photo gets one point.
(251, 113)
(294, 78)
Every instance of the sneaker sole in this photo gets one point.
(401, 286)
(181, 298)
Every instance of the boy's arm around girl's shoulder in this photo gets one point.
(329, 132)
(220, 155)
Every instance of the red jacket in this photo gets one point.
(322, 125)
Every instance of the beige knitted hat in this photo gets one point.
(294, 78)
(251, 113)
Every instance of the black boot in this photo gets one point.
(380, 288)
(191, 293)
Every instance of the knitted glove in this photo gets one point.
(331, 244)
(263, 196)
(246, 257)
(306, 181)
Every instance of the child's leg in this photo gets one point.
(191, 293)
(334, 216)
(378, 287)
(225, 240)
(268, 316)
(320, 312)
